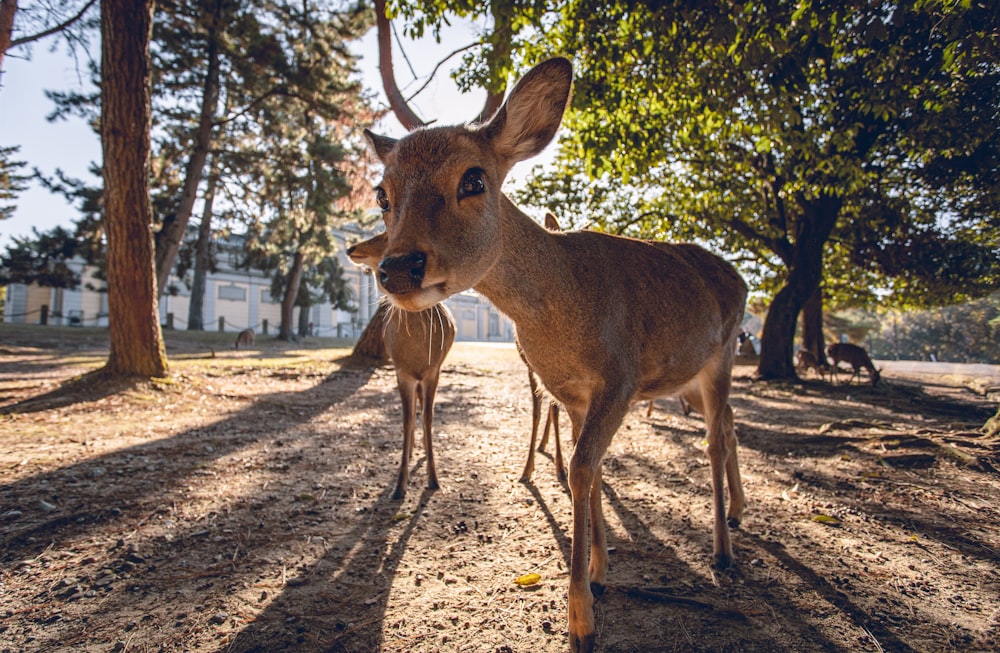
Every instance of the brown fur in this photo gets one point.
(604, 321)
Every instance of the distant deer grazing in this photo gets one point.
(417, 344)
(805, 360)
(244, 338)
(604, 321)
(857, 357)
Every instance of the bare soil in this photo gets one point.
(243, 505)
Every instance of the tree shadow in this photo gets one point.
(82, 490)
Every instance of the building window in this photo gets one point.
(494, 325)
(233, 293)
(468, 314)
(266, 298)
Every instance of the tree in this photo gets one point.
(784, 128)
(42, 259)
(136, 348)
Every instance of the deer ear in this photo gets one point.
(381, 145)
(528, 120)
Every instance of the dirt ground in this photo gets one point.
(243, 505)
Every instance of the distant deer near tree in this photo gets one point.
(604, 321)
(805, 360)
(417, 344)
(856, 357)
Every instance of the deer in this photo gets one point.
(857, 357)
(418, 343)
(605, 321)
(245, 338)
(806, 360)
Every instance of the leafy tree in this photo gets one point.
(782, 128)
(136, 348)
(42, 259)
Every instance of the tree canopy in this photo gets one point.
(858, 138)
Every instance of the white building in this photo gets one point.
(236, 299)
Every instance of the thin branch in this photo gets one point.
(52, 30)
(430, 77)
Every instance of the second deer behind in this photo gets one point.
(417, 344)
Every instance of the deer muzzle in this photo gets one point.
(402, 274)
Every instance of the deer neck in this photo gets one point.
(520, 283)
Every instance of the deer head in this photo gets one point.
(440, 192)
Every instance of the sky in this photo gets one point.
(70, 145)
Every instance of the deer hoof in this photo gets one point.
(584, 644)
(399, 493)
(597, 589)
(722, 561)
(733, 522)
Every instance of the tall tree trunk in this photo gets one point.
(133, 325)
(291, 294)
(812, 325)
(805, 272)
(202, 259)
(171, 234)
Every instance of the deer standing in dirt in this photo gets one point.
(856, 357)
(805, 360)
(604, 321)
(244, 338)
(417, 344)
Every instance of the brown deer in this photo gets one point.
(856, 357)
(805, 360)
(417, 344)
(244, 338)
(604, 321)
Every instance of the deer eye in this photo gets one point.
(472, 183)
(382, 199)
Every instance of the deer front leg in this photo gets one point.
(553, 418)
(536, 416)
(601, 423)
(429, 388)
(407, 395)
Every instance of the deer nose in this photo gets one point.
(399, 274)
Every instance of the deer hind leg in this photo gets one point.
(721, 449)
(737, 500)
(407, 394)
(598, 427)
(428, 389)
(536, 416)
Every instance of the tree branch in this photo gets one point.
(52, 30)
(397, 102)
